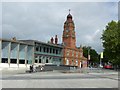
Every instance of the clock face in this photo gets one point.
(66, 35)
(67, 30)
(73, 35)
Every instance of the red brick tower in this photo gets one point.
(72, 55)
(69, 38)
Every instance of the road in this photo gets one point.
(91, 79)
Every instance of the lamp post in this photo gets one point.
(88, 55)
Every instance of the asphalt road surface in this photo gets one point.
(94, 79)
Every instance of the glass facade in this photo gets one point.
(16, 52)
(46, 53)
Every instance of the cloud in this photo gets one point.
(41, 21)
(60, 1)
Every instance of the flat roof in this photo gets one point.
(33, 41)
(15, 41)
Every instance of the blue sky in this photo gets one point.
(41, 21)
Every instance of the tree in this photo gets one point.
(94, 57)
(111, 42)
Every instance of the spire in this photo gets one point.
(69, 15)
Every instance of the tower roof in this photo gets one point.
(69, 16)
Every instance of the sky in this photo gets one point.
(43, 20)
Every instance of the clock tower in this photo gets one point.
(69, 38)
(72, 55)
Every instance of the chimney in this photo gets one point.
(52, 40)
(14, 38)
(56, 39)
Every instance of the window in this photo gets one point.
(47, 50)
(44, 49)
(4, 60)
(46, 60)
(53, 50)
(50, 50)
(56, 51)
(36, 61)
(13, 61)
(37, 49)
(21, 61)
(67, 53)
(40, 60)
(72, 53)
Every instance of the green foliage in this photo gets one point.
(111, 42)
(94, 57)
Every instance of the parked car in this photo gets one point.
(108, 67)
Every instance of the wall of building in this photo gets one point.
(48, 54)
(0, 50)
(72, 56)
(16, 54)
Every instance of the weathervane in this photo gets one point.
(69, 11)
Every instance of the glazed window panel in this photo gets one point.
(5, 47)
(4, 60)
(14, 51)
(56, 51)
(50, 50)
(22, 52)
(44, 49)
(37, 48)
(67, 53)
(72, 53)
(53, 50)
(30, 54)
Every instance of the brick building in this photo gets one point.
(72, 55)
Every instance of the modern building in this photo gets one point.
(15, 53)
(46, 53)
(72, 55)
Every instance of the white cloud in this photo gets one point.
(60, 1)
(42, 21)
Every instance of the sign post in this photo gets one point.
(88, 61)
(101, 57)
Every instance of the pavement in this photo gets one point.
(84, 78)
